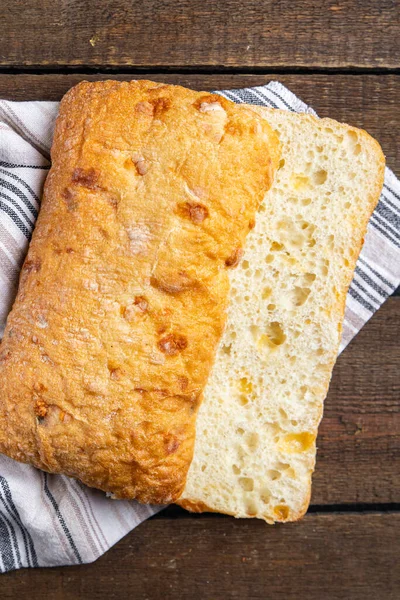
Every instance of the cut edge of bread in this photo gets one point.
(197, 502)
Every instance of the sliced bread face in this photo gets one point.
(257, 426)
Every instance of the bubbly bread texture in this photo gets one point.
(256, 429)
(122, 297)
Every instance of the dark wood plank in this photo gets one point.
(191, 33)
(358, 456)
(368, 101)
(337, 557)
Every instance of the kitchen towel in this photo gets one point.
(48, 520)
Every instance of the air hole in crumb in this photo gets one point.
(255, 332)
(274, 336)
(281, 512)
(276, 333)
(252, 440)
(283, 413)
(347, 204)
(283, 466)
(300, 295)
(240, 431)
(203, 468)
(300, 182)
(245, 264)
(266, 293)
(235, 469)
(320, 177)
(269, 258)
(297, 442)
(273, 474)
(276, 246)
(245, 385)
(271, 307)
(246, 483)
(306, 201)
(251, 508)
(351, 137)
(309, 278)
(265, 495)
(281, 163)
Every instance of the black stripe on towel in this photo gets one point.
(13, 512)
(16, 166)
(389, 215)
(6, 547)
(383, 229)
(10, 187)
(22, 182)
(376, 273)
(15, 219)
(370, 282)
(61, 519)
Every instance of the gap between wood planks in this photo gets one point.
(173, 511)
(60, 69)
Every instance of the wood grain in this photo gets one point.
(332, 557)
(193, 33)
(358, 456)
(367, 101)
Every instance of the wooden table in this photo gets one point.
(343, 57)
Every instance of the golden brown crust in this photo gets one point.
(195, 506)
(122, 296)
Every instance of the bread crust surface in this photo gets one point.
(123, 293)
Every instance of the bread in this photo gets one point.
(122, 297)
(256, 429)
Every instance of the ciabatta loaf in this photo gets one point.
(256, 429)
(122, 297)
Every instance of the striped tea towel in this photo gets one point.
(48, 520)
